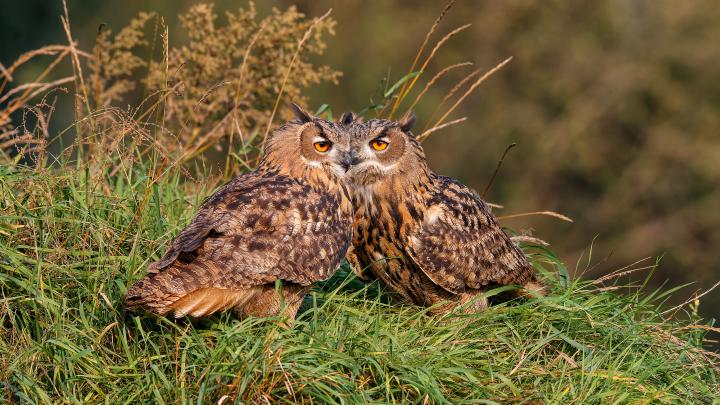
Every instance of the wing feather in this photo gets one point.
(255, 230)
(460, 245)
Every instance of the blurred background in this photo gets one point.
(614, 106)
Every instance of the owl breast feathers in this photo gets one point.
(259, 228)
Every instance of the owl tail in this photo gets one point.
(183, 290)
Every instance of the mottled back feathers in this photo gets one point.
(460, 245)
(257, 229)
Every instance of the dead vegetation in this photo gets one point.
(219, 89)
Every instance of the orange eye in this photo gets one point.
(322, 146)
(378, 144)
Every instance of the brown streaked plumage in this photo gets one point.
(428, 237)
(290, 220)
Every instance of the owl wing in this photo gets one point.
(460, 245)
(253, 231)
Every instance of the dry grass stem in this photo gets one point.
(77, 67)
(703, 327)
(452, 92)
(427, 133)
(236, 100)
(5, 73)
(28, 93)
(691, 299)
(433, 80)
(420, 51)
(48, 50)
(616, 274)
(497, 169)
(302, 41)
(547, 213)
(402, 95)
(623, 270)
(477, 83)
(529, 239)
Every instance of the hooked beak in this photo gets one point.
(349, 159)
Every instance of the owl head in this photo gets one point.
(309, 146)
(384, 150)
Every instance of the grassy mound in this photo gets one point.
(79, 225)
(73, 239)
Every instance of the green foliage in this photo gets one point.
(71, 243)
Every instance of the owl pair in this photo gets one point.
(323, 191)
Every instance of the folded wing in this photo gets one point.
(253, 231)
(460, 245)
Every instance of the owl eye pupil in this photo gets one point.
(322, 146)
(378, 144)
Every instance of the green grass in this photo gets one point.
(73, 236)
(73, 239)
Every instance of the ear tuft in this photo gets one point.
(407, 122)
(301, 114)
(347, 118)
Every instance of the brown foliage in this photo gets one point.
(220, 86)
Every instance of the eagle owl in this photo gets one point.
(428, 237)
(289, 220)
